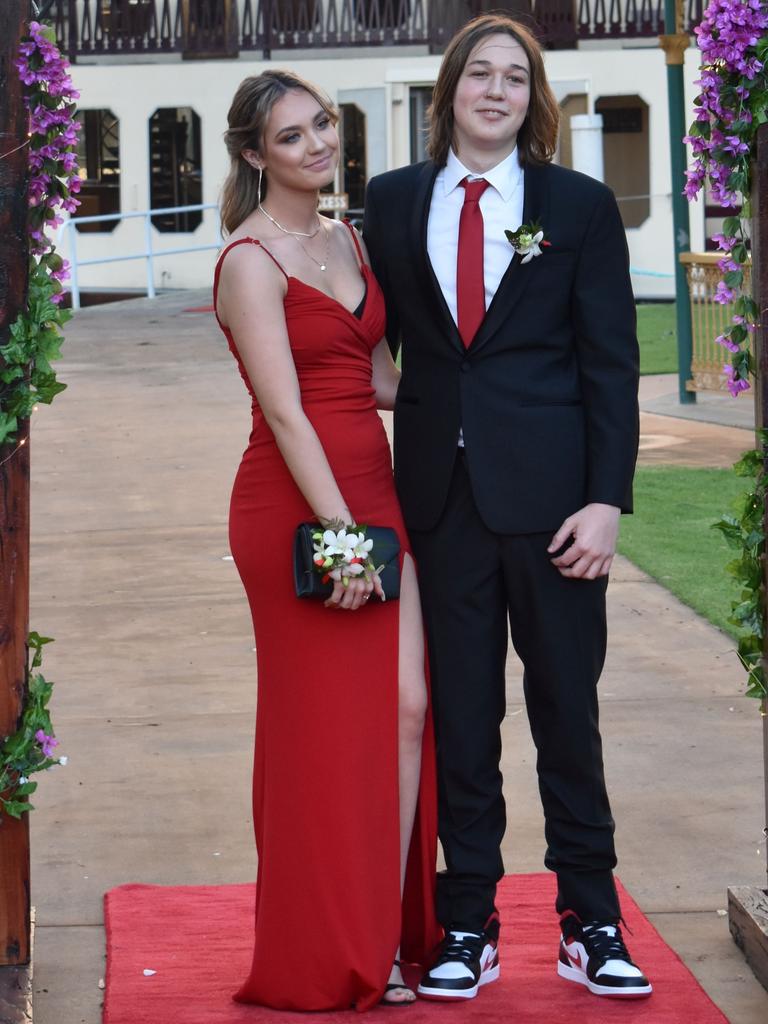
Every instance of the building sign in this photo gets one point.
(332, 201)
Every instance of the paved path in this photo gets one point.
(155, 672)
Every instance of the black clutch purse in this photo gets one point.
(309, 582)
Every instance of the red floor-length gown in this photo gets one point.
(325, 785)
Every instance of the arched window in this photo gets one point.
(98, 155)
(626, 155)
(176, 170)
(355, 154)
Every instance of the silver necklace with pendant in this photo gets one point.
(323, 264)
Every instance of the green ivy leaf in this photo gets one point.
(738, 333)
(25, 789)
(8, 428)
(47, 392)
(739, 253)
(15, 808)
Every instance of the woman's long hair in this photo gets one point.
(247, 119)
(537, 138)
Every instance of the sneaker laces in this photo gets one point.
(461, 946)
(604, 942)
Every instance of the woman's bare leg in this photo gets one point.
(412, 710)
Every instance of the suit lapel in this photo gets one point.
(429, 284)
(512, 285)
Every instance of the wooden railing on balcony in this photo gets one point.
(205, 28)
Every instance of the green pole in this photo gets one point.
(674, 46)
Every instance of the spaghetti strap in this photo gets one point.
(253, 241)
(359, 251)
(220, 261)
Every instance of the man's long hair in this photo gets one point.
(537, 138)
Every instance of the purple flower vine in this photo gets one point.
(27, 377)
(54, 181)
(733, 102)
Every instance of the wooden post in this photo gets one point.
(760, 294)
(14, 481)
(748, 905)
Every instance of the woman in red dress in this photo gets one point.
(344, 778)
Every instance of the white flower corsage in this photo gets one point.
(343, 554)
(528, 241)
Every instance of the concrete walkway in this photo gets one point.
(155, 677)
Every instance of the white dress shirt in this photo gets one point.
(502, 208)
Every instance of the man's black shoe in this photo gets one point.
(467, 960)
(594, 955)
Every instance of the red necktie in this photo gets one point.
(470, 280)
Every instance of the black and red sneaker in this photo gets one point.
(467, 961)
(593, 954)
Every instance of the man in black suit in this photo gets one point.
(516, 429)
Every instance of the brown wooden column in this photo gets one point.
(748, 904)
(14, 481)
(760, 294)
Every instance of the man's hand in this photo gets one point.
(594, 529)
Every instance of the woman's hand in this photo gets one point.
(356, 592)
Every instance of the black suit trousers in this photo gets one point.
(472, 582)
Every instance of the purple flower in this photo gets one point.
(735, 145)
(725, 242)
(743, 322)
(726, 264)
(47, 743)
(63, 272)
(723, 295)
(726, 342)
(734, 384)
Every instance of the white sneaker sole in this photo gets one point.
(573, 974)
(445, 995)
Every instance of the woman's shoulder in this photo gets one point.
(244, 252)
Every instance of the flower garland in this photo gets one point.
(733, 39)
(745, 533)
(733, 103)
(30, 748)
(26, 375)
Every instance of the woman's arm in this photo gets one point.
(250, 300)
(386, 376)
(251, 293)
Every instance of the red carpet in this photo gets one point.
(197, 941)
(198, 309)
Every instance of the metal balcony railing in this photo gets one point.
(222, 28)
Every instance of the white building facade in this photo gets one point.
(155, 89)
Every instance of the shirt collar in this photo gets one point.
(504, 177)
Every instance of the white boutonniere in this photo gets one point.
(528, 241)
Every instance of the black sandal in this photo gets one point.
(391, 986)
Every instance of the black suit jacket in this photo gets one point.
(546, 394)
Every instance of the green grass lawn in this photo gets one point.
(670, 535)
(657, 335)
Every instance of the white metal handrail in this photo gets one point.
(149, 253)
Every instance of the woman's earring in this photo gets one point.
(261, 174)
